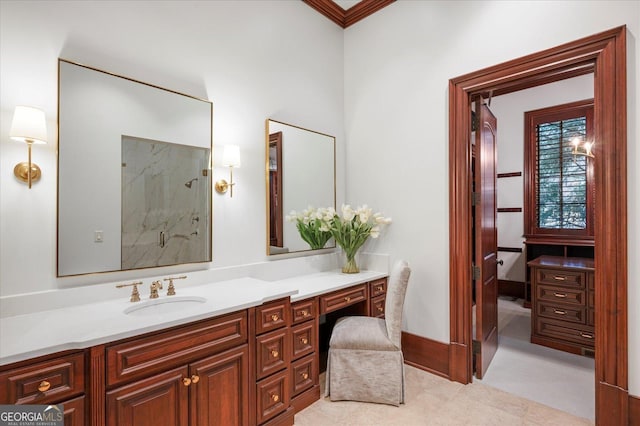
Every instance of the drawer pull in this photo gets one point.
(275, 397)
(559, 278)
(195, 379)
(560, 312)
(303, 313)
(274, 353)
(560, 295)
(275, 317)
(347, 299)
(304, 340)
(380, 309)
(586, 336)
(380, 289)
(44, 386)
(186, 381)
(304, 375)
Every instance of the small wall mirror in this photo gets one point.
(134, 174)
(300, 173)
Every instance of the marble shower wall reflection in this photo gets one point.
(165, 198)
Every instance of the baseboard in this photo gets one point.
(511, 288)
(634, 410)
(426, 354)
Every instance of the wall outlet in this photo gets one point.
(98, 236)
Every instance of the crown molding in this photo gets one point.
(350, 16)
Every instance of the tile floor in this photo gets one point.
(432, 400)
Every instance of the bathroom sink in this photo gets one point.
(164, 305)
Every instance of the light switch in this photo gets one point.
(98, 236)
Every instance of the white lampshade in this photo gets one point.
(231, 156)
(29, 125)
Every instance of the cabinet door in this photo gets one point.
(74, 412)
(220, 391)
(161, 400)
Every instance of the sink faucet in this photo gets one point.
(171, 291)
(155, 286)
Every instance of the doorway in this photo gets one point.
(604, 55)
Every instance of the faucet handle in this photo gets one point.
(135, 295)
(171, 290)
(155, 286)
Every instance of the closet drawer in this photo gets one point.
(583, 335)
(271, 316)
(44, 382)
(560, 295)
(562, 312)
(303, 373)
(342, 298)
(272, 352)
(272, 396)
(303, 339)
(377, 306)
(303, 311)
(378, 287)
(561, 277)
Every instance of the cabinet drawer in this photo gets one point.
(44, 382)
(272, 315)
(272, 396)
(562, 312)
(303, 374)
(591, 282)
(377, 306)
(562, 277)
(582, 335)
(560, 294)
(141, 357)
(303, 339)
(378, 287)
(272, 352)
(303, 311)
(340, 299)
(74, 412)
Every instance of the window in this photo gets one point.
(558, 185)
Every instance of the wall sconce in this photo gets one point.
(582, 148)
(28, 126)
(231, 159)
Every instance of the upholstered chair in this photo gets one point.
(365, 356)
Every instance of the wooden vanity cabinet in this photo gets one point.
(194, 375)
(56, 379)
(563, 299)
(305, 384)
(378, 292)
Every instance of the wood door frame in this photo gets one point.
(604, 55)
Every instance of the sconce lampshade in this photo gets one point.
(231, 156)
(29, 125)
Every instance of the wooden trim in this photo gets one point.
(508, 175)
(509, 209)
(634, 410)
(426, 354)
(96, 374)
(510, 249)
(605, 53)
(346, 18)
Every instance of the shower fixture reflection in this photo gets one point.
(188, 184)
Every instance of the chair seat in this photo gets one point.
(361, 333)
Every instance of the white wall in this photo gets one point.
(397, 66)
(509, 110)
(253, 59)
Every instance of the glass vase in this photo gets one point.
(350, 266)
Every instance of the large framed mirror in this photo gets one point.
(301, 173)
(134, 174)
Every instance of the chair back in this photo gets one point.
(394, 303)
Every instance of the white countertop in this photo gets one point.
(82, 326)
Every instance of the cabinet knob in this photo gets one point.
(274, 353)
(275, 317)
(275, 397)
(195, 379)
(44, 386)
(380, 309)
(347, 299)
(186, 381)
(304, 340)
(304, 313)
(380, 289)
(304, 375)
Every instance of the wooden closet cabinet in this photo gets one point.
(195, 375)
